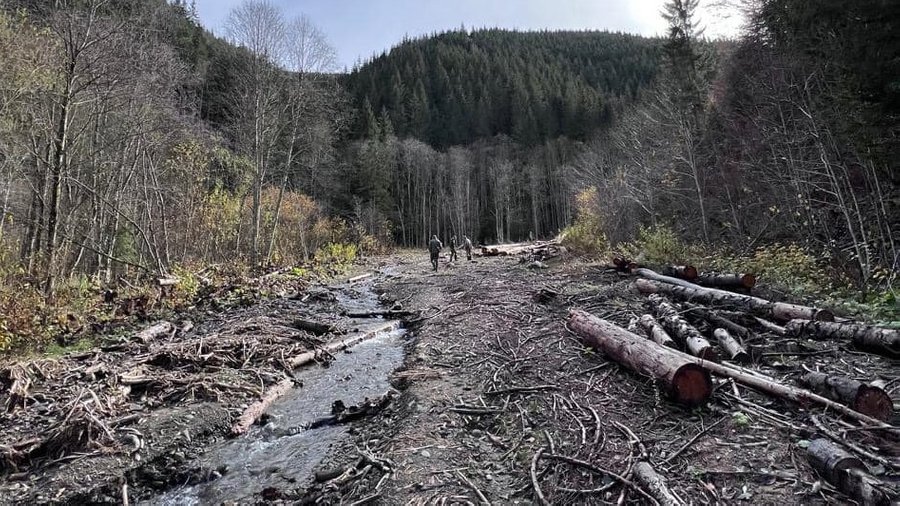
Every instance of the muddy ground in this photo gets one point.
(495, 402)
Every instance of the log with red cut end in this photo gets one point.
(687, 382)
(847, 473)
(868, 399)
(731, 346)
(688, 272)
(656, 331)
(682, 290)
(741, 281)
(865, 337)
(672, 320)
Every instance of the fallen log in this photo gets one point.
(688, 383)
(718, 321)
(154, 332)
(776, 329)
(695, 343)
(683, 290)
(739, 281)
(654, 484)
(846, 472)
(686, 272)
(359, 278)
(309, 356)
(386, 313)
(656, 332)
(868, 399)
(649, 358)
(732, 347)
(256, 410)
(316, 328)
(874, 339)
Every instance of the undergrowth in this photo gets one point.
(32, 323)
(790, 268)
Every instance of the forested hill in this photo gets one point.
(460, 86)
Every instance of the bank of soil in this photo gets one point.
(496, 401)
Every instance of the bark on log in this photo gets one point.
(686, 382)
(732, 347)
(687, 272)
(740, 281)
(874, 339)
(309, 356)
(868, 399)
(256, 410)
(315, 328)
(718, 321)
(386, 313)
(654, 484)
(846, 472)
(154, 332)
(778, 330)
(693, 341)
(656, 332)
(683, 290)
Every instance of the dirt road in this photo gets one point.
(495, 402)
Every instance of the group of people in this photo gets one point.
(435, 246)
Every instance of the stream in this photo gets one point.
(281, 453)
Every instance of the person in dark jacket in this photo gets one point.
(453, 256)
(434, 247)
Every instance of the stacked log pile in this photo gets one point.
(692, 326)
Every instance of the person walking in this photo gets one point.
(467, 245)
(434, 248)
(453, 256)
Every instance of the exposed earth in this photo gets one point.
(487, 397)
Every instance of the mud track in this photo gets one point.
(496, 402)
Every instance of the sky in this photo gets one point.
(360, 29)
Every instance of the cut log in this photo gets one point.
(154, 332)
(654, 484)
(739, 281)
(167, 281)
(683, 290)
(316, 328)
(386, 313)
(656, 332)
(688, 383)
(878, 340)
(688, 272)
(359, 278)
(310, 356)
(776, 329)
(846, 472)
(256, 410)
(672, 320)
(732, 347)
(718, 321)
(868, 399)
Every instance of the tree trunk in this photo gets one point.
(654, 484)
(693, 341)
(868, 399)
(740, 281)
(309, 356)
(656, 332)
(256, 410)
(718, 321)
(846, 472)
(727, 342)
(711, 296)
(686, 272)
(882, 341)
(688, 383)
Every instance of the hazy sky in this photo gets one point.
(359, 29)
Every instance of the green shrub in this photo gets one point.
(660, 245)
(335, 257)
(586, 236)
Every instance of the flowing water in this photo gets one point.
(282, 453)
